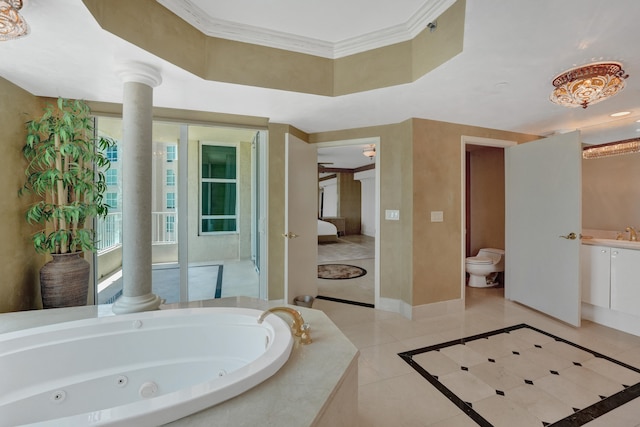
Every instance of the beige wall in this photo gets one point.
(610, 192)
(396, 187)
(171, 38)
(19, 287)
(437, 255)
(420, 171)
(487, 206)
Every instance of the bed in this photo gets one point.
(327, 232)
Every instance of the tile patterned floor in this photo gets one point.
(543, 379)
(392, 393)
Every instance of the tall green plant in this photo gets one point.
(66, 166)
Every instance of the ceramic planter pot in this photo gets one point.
(64, 281)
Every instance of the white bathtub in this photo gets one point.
(142, 369)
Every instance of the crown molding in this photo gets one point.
(213, 27)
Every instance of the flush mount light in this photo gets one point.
(588, 84)
(369, 151)
(621, 114)
(12, 24)
(626, 146)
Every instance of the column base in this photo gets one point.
(126, 304)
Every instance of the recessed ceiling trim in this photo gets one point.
(220, 28)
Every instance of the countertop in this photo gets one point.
(613, 243)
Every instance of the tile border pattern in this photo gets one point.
(345, 301)
(579, 418)
(218, 293)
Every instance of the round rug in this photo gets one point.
(340, 271)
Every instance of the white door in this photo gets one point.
(301, 211)
(543, 224)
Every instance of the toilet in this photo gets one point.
(483, 268)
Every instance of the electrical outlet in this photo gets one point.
(392, 214)
(437, 216)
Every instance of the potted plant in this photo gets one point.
(65, 173)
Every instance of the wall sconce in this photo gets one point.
(369, 151)
(627, 146)
(12, 24)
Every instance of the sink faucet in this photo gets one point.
(632, 234)
(299, 328)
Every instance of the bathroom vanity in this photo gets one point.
(611, 283)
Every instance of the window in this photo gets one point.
(112, 153)
(171, 200)
(171, 224)
(218, 188)
(172, 154)
(171, 177)
(111, 199)
(112, 177)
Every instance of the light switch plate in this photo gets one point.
(437, 216)
(392, 214)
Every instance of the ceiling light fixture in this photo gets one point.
(588, 84)
(626, 146)
(369, 151)
(620, 114)
(12, 24)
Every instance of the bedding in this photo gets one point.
(327, 232)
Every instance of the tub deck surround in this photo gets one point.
(318, 382)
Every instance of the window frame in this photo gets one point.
(109, 175)
(173, 149)
(173, 197)
(202, 180)
(107, 197)
(112, 153)
(170, 178)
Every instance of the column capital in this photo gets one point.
(139, 72)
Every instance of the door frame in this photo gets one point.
(472, 140)
(378, 157)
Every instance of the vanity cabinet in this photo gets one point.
(625, 280)
(596, 274)
(610, 278)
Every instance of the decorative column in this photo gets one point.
(137, 122)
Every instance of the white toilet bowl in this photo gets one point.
(483, 268)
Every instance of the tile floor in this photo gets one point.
(358, 250)
(392, 393)
(239, 278)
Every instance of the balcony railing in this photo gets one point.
(109, 230)
(164, 228)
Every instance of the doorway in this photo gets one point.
(208, 213)
(483, 199)
(348, 194)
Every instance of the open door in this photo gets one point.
(543, 225)
(301, 212)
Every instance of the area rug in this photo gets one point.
(340, 271)
(525, 374)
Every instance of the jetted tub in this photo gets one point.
(142, 369)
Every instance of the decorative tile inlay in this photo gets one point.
(570, 368)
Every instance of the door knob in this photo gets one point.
(290, 235)
(570, 236)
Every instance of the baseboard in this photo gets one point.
(438, 308)
(613, 319)
(420, 311)
(395, 306)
